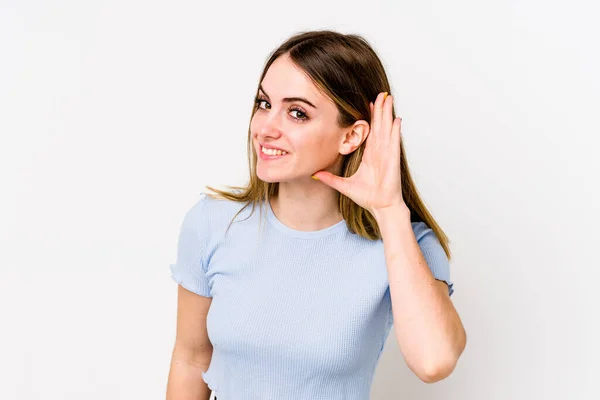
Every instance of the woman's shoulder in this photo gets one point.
(215, 203)
(213, 210)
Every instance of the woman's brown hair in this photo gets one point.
(347, 70)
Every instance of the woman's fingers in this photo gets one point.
(377, 112)
(387, 119)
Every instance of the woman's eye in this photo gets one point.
(260, 101)
(300, 114)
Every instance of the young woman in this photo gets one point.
(296, 302)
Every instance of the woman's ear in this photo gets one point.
(354, 137)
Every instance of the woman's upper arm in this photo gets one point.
(192, 342)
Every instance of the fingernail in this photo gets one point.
(314, 177)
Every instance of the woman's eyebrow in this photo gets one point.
(289, 99)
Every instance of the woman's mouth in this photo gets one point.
(271, 154)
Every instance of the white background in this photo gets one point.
(115, 114)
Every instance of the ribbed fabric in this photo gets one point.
(295, 315)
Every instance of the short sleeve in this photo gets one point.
(189, 270)
(434, 254)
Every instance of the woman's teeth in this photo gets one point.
(273, 152)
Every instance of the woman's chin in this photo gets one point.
(269, 178)
(272, 175)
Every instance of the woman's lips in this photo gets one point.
(260, 145)
(264, 156)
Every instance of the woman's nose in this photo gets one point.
(270, 127)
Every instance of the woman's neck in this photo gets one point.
(306, 206)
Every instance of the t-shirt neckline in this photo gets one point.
(339, 226)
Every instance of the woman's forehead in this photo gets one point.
(286, 79)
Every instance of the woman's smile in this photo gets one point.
(270, 153)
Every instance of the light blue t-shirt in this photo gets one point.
(295, 315)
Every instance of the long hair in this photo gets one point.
(347, 69)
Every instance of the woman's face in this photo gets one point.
(294, 116)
